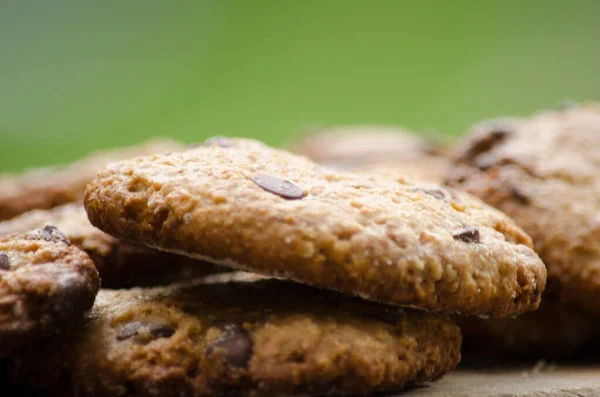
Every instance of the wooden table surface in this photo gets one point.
(539, 380)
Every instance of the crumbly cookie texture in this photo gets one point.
(239, 334)
(375, 148)
(45, 283)
(242, 204)
(552, 331)
(51, 186)
(119, 263)
(543, 172)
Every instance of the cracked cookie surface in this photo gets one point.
(384, 239)
(119, 263)
(45, 283)
(51, 186)
(239, 334)
(543, 172)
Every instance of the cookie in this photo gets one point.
(119, 263)
(553, 331)
(51, 186)
(241, 335)
(543, 171)
(376, 149)
(244, 205)
(45, 283)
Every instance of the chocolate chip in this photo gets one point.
(51, 233)
(468, 235)
(499, 133)
(156, 331)
(519, 196)
(280, 187)
(4, 262)
(237, 347)
(494, 134)
(486, 136)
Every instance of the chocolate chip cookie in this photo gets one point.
(543, 171)
(45, 283)
(119, 263)
(376, 149)
(552, 331)
(241, 335)
(241, 204)
(48, 187)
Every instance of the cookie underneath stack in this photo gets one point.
(236, 334)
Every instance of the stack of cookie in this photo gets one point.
(353, 278)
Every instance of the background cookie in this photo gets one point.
(242, 335)
(552, 331)
(375, 148)
(119, 263)
(52, 186)
(45, 283)
(544, 173)
(242, 204)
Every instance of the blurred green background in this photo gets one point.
(77, 75)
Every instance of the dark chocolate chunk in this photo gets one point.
(487, 136)
(499, 133)
(495, 134)
(468, 235)
(280, 187)
(156, 330)
(237, 346)
(4, 262)
(519, 196)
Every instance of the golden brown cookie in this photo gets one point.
(376, 149)
(241, 204)
(45, 283)
(119, 263)
(543, 171)
(552, 331)
(241, 335)
(51, 186)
